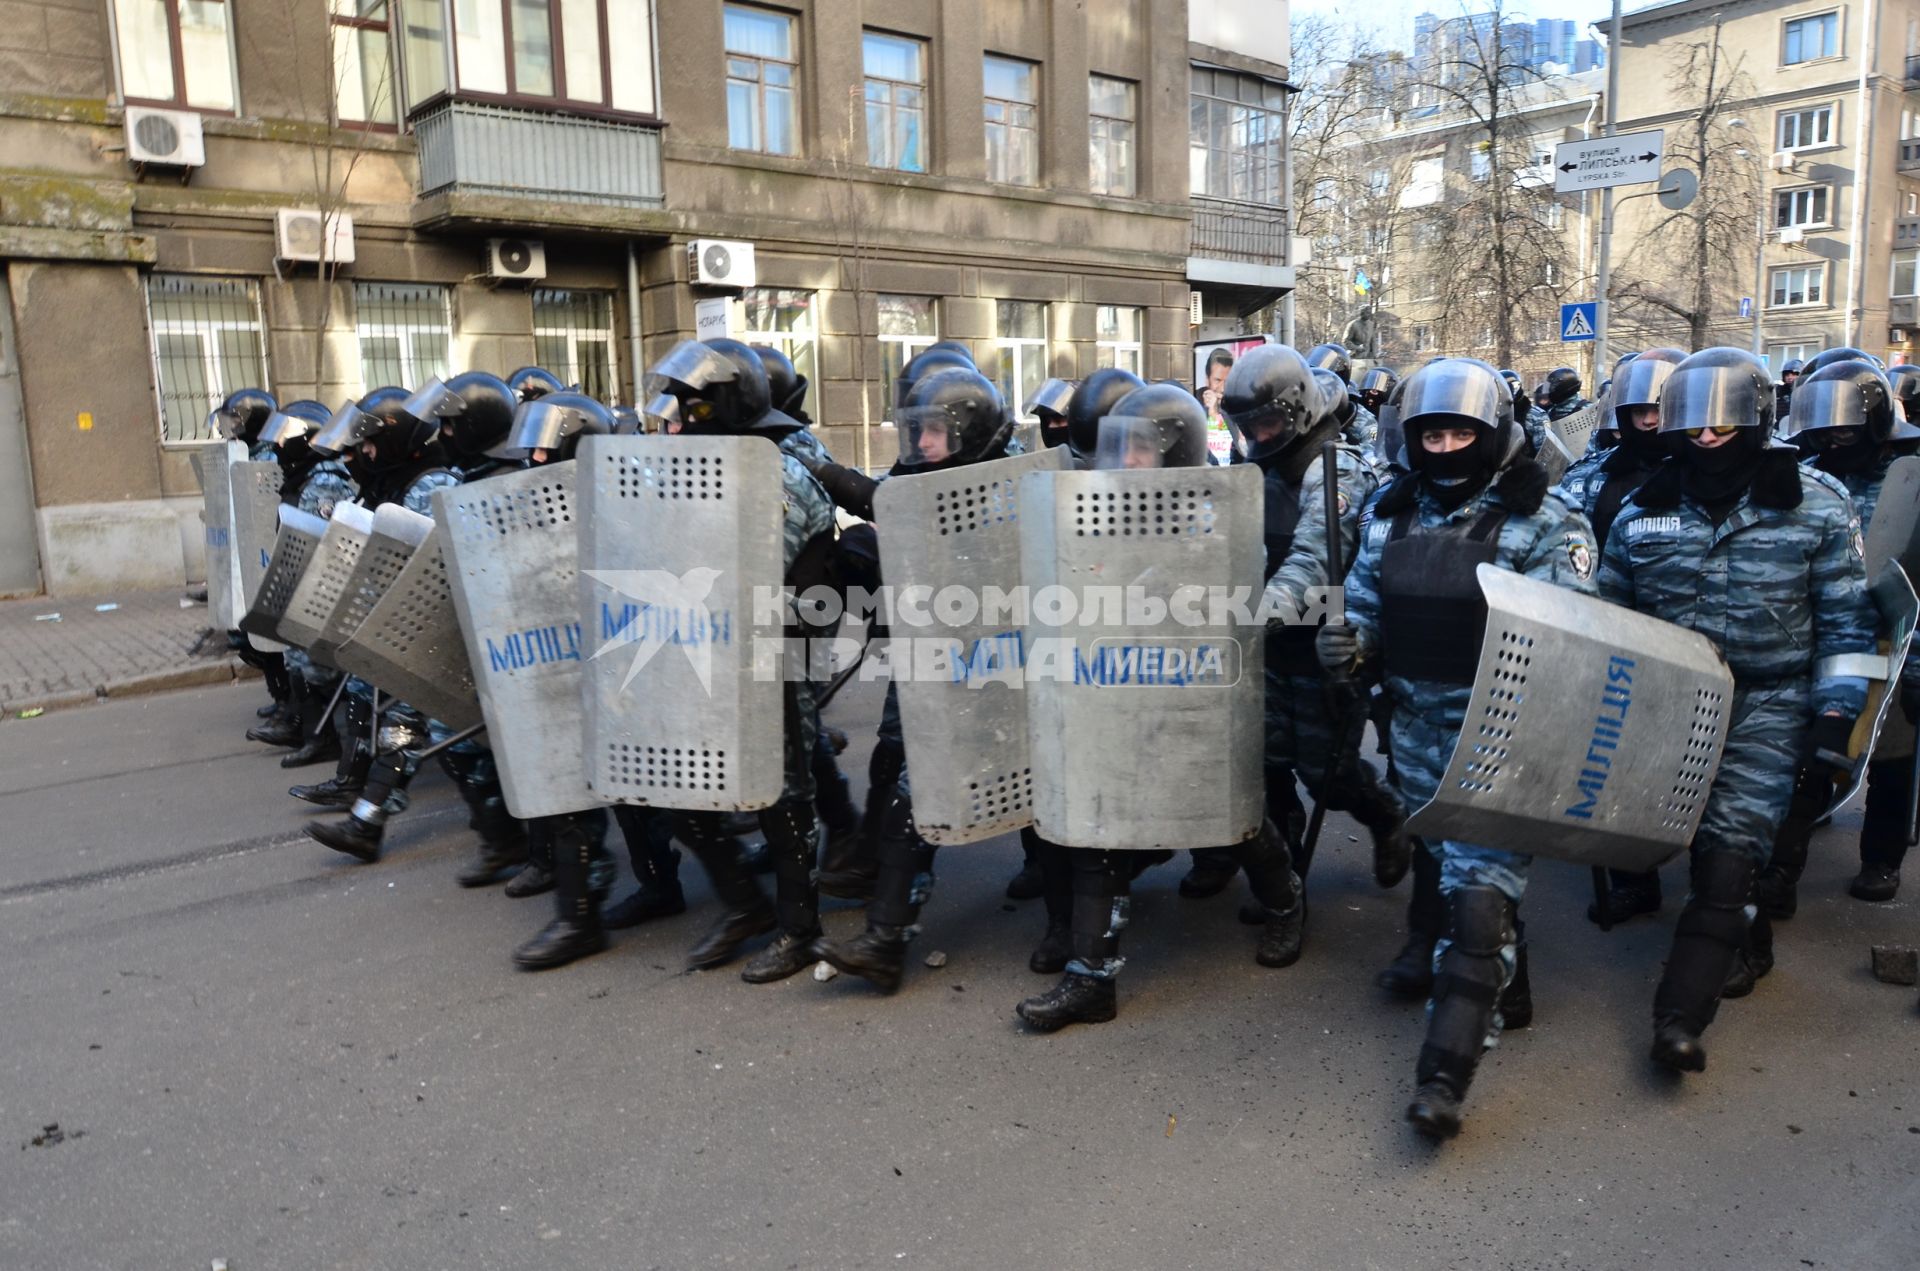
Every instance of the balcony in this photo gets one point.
(1224, 229)
(508, 166)
(1906, 231)
(1904, 311)
(1913, 72)
(1910, 156)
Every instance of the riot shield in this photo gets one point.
(1027, 437)
(1390, 445)
(1593, 733)
(965, 728)
(510, 563)
(256, 521)
(211, 464)
(395, 535)
(1144, 684)
(1894, 533)
(325, 578)
(293, 549)
(410, 643)
(679, 538)
(1893, 597)
(1568, 439)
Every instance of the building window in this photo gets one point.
(1018, 360)
(573, 338)
(176, 53)
(1012, 90)
(591, 54)
(783, 319)
(1797, 285)
(1426, 179)
(1909, 203)
(406, 333)
(1778, 355)
(762, 73)
(1117, 338)
(1236, 137)
(1801, 209)
(208, 341)
(1480, 163)
(1810, 38)
(1801, 129)
(1906, 273)
(896, 70)
(908, 324)
(362, 63)
(1423, 339)
(1379, 181)
(1110, 143)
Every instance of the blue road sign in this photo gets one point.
(1576, 322)
(1746, 306)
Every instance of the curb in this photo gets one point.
(212, 671)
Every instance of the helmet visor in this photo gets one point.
(1377, 380)
(1639, 383)
(1822, 404)
(1716, 397)
(281, 428)
(222, 422)
(663, 413)
(690, 365)
(1454, 388)
(1050, 396)
(1137, 442)
(928, 435)
(348, 428)
(538, 425)
(432, 401)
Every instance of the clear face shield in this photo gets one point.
(540, 424)
(224, 423)
(282, 428)
(432, 402)
(928, 435)
(662, 414)
(1050, 396)
(689, 365)
(1459, 389)
(1137, 443)
(1717, 399)
(1826, 413)
(348, 427)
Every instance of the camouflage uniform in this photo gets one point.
(325, 486)
(1363, 430)
(1551, 543)
(1535, 424)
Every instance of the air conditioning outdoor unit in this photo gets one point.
(170, 138)
(1784, 161)
(1897, 335)
(1792, 235)
(713, 262)
(300, 234)
(516, 259)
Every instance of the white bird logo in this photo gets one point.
(683, 599)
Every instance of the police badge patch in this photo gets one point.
(1580, 555)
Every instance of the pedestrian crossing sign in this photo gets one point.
(1576, 322)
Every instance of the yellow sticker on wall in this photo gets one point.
(85, 420)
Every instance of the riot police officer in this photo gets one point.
(1374, 386)
(1049, 405)
(1734, 540)
(1563, 393)
(1527, 411)
(1415, 614)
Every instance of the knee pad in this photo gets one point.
(1479, 920)
(1722, 880)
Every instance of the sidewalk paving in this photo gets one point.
(145, 643)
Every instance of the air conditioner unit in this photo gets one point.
(1784, 161)
(516, 259)
(171, 138)
(1196, 308)
(1897, 335)
(713, 262)
(1792, 235)
(299, 235)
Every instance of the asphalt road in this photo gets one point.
(262, 1052)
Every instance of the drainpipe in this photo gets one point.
(633, 326)
(1862, 179)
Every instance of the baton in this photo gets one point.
(1345, 735)
(333, 701)
(841, 679)
(1913, 796)
(455, 740)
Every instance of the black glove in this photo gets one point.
(1338, 648)
(1827, 745)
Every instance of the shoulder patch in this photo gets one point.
(1580, 555)
(1643, 525)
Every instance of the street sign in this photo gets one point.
(1577, 322)
(1677, 188)
(1598, 162)
(1746, 306)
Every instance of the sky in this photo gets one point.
(1393, 25)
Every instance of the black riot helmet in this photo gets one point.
(944, 354)
(711, 388)
(548, 429)
(1519, 387)
(1092, 402)
(1457, 392)
(1844, 412)
(1827, 357)
(242, 415)
(290, 430)
(358, 421)
(1723, 390)
(1637, 385)
(1048, 404)
(1335, 401)
(383, 435)
(786, 386)
(1155, 426)
(954, 416)
(1563, 385)
(1905, 381)
(1331, 357)
(472, 412)
(1271, 398)
(1375, 383)
(530, 382)
(1790, 370)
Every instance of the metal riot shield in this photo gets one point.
(682, 546)
(224, 601)
(1027, 437)
(510, 562)
(1568, 438)
(1593, 733)
(1144, 683)
(1894, 533)
(256, 521)
(963, 700)
(293, 549)
(1893, 597)
(395, 535)
(410, 643)
(1390, 444)
(325, 579)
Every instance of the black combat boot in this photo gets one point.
(1372, 803)
(575, 931)
(1465, 992)
(1278, 892)
(503, 839)
(359, 833)
(851, 871)
(789, 827)
(656, 866)
(1213, 868)
(1628, 896)
(878, 954)
(1883, 831)
(1410, 974)
(746, 914)
(1708, 938)
(1516, 1000)
(282, 727)
(324, 738)
(1755, 960)
(1076, 999)
(348, 780)
(1085, 994)
(536, 876)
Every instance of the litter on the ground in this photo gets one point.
(106, 608)
(46, 617)
(35, 713)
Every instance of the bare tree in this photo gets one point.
(1663, 291)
